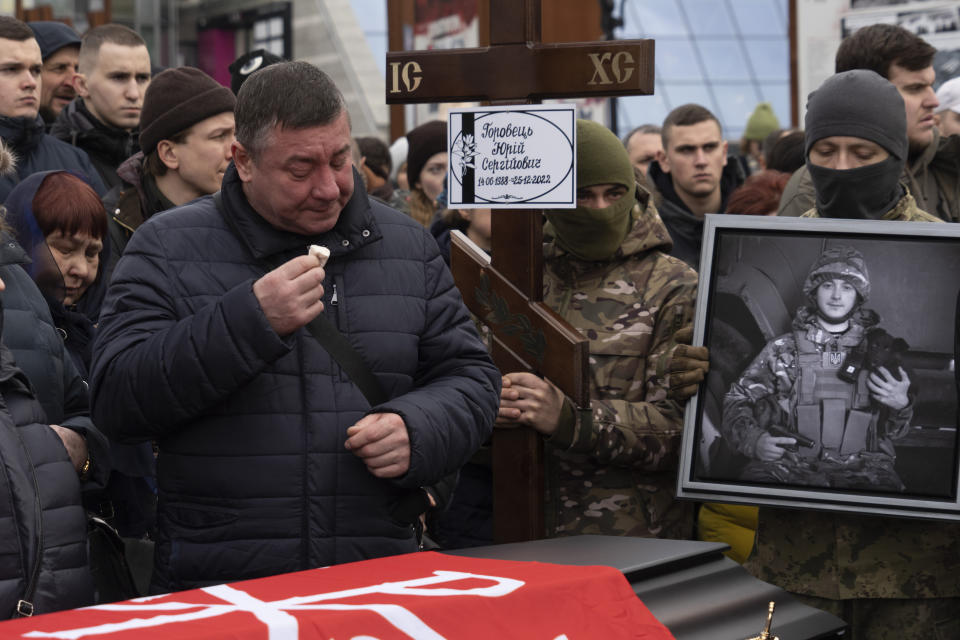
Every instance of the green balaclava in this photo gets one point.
(596, 234)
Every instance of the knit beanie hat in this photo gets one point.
(841, 262)
(53, 36)
(241, 68)
(858, 103)
(424, 141)
(596, 234)
(176, 100)
(762, 122)
(601, 157)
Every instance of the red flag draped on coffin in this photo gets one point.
(424, 596)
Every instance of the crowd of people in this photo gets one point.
(240, 406)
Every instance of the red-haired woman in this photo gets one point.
(759, 195)
(60, 221)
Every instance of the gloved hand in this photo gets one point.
(686, 367)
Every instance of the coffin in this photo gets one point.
(562, 589)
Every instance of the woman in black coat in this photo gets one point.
(43, 555)
(59, 220)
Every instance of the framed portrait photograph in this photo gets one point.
(832, 381)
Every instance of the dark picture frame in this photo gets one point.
(751, 290)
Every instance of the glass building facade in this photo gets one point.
(727, 55)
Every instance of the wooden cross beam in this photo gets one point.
(507, 293)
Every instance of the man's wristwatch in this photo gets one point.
(85, 469)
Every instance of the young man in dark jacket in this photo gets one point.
(692, 177)
(187, 133)
(21, 127)
(114, 73)
(271, 459)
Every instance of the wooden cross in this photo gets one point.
(507, 293)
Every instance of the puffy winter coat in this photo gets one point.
(686, 229)
(45, 527)
(29, 333)
(253, 475)
(39, 151)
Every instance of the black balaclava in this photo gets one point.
(861, 104)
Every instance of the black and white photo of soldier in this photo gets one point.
(810, 410)
(824, 374)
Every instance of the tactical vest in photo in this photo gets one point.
(832, 412)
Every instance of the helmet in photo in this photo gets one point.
(844, 263)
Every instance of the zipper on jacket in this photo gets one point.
(340, 303)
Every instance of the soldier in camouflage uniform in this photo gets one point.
(612, 469)
(888, 578)
(804, 383)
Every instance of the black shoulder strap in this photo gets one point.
(328, 336)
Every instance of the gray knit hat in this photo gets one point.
(858, 103)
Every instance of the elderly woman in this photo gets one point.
(60, 221)
(808, 386)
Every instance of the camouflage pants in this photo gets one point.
(891, 619)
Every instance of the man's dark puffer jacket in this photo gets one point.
(35, 470)
(253, 474)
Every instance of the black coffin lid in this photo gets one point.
(691, 587)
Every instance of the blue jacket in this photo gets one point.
(39, 151)
(253, 475)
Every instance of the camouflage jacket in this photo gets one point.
(612, 469)
(767, 390)
(841, 556)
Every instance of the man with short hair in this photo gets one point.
(114, 72)
(932, 170)
(643, 144)
(60, 50)
(692, 177)
(271, 457)
(186, 136)
(21, 127)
